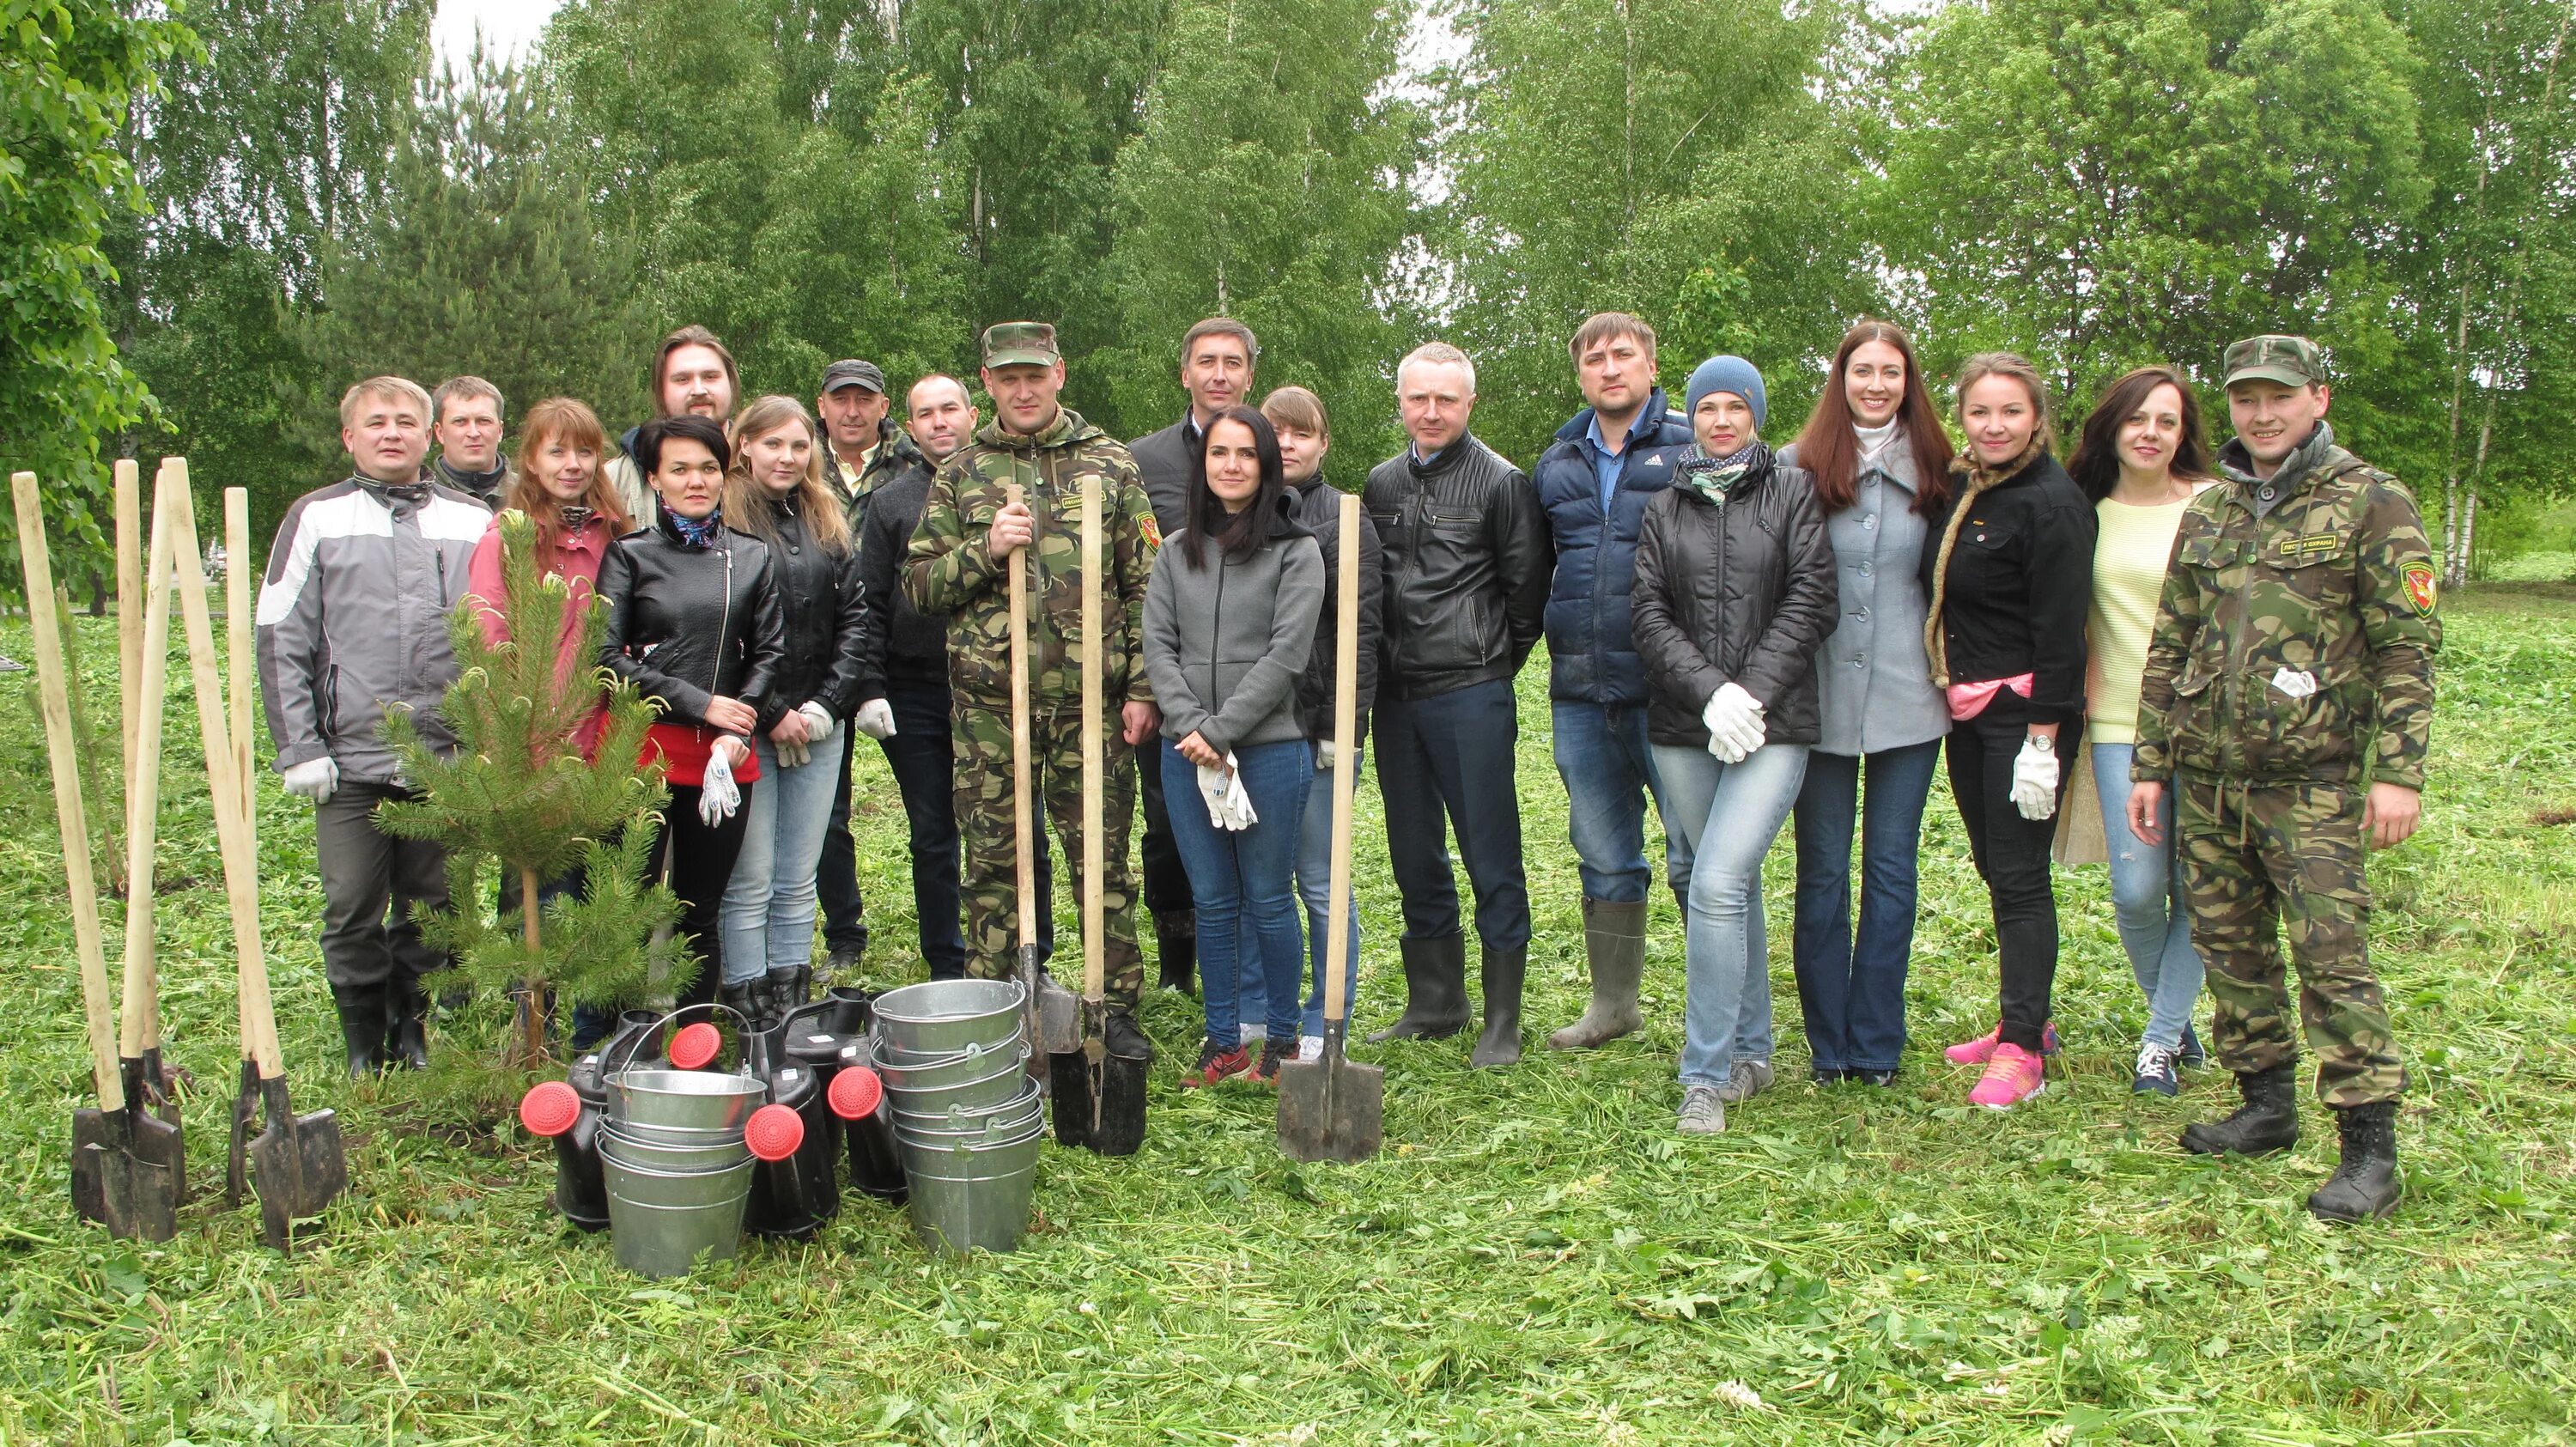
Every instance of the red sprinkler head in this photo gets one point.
(774, 1132)
(856, 1093)
(695, 1045)
(550, 1109)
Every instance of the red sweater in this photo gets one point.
(574, 555)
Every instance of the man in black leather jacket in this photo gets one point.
(1466, 567)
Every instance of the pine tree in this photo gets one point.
(518, 791)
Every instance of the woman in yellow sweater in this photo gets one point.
(2142, 457)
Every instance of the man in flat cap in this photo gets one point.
(2289, 702)
(968, 539)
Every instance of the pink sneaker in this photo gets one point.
(1982, 1049)
(2013, 1076)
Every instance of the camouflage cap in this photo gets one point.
(1013, 344)
(2290, 361)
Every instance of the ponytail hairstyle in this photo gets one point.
(747, 503)
(1240, 535)
(1831, 454)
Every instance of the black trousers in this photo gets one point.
(2012, 857)
(836, 879)
(1167, 880)
(697, 862)
(371, 881)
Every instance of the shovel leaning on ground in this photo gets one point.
(1099, 1097)
(130, 1196)
(1331, 1109)
(239, 631)
(1050, 1005)
(297, 1163)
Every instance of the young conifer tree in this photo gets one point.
(518, 791)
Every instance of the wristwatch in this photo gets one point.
(2041, 742)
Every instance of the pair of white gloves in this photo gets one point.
(1734, 721)
(819, 724)
(1229, 806)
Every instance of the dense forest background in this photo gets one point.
(213, 217)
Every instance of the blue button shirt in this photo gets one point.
(1608, 466)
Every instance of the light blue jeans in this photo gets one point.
(1315, 887)
(1609, 773)
(2147, 899)
(768, 912)
(1734, 811)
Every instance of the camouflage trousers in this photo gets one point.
(989, 842)
(2256, 859)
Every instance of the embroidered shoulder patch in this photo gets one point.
(2421, 590)
(1153, 532)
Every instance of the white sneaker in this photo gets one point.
(1310, 1048)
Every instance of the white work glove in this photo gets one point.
(2034, 785)
(1324, 752)
(1734, 720)
(314, 779)
(819, 722)
(1229, 806)
(875, 719)
(791, 756)
(718, 795)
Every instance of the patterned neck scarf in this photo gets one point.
(1714, 477)
(577, 517)
(412, 493)
(699, 535)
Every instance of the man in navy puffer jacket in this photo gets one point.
(1594, 482)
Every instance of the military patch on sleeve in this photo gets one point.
(1153, 531)
(2421, 590)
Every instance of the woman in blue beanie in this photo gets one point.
(1735, 593)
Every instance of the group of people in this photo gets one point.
(2235, 646)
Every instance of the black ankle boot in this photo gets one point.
(1435, 990)
(2365, 1184)
(1176, 950)
(2268, 1121)
(1503, 975)
(789, 986)
(750, 999)
(362, 1028)
(407, 1027)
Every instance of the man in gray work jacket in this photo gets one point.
(352, 625)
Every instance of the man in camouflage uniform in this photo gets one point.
(957, 563)
(2296, 629)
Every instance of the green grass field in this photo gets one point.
(1535, 1257)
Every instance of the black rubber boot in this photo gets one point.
(2268, 1121)
(1124, 1038)
(1176, 948)
(362, 1028)
(1435, 990)
(2365, 1184)
(1505, 971)
(750, 997)
(1614, 946)
(407, 1027)
(788, 987)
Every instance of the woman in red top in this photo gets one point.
(563, 488)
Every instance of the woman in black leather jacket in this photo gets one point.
(775, 492)
(694, 622)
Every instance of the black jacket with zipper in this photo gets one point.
(1466, 561)
(896, 639)
(820, 601)
(2019, 592)
(1743, 593)
(1318, 505)
(689, 625)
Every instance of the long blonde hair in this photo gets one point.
(746, 503)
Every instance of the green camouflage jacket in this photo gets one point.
(948, 570)
(2289, 639)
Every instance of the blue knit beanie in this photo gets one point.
(1726, 374)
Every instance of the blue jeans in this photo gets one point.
(1242, 879)
(1609, 773)
(2147, 899)
(768, 911)
(1450, 760)
(1315, 884)
(1734, 811)
(1852, 990)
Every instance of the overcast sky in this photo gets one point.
(510, 25)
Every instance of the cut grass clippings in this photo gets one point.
(1535, 1257)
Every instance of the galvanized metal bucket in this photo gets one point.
(689, 1099)
(712, 1155)
(976, 1079)
(942, 1017)
(973, 1195)
(663, 1223)
(939, 1127)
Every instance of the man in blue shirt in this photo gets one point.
(1594, 482)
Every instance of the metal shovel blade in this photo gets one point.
(1059, 1017)
(237, 1155)
(152, 1122)
(1332, 1109)
(1072, 1088)
(112, 1186)
(296, 1162)
(1099, 1097)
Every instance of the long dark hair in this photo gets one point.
(1240, 535)
(2096, 467)
(1831, 454)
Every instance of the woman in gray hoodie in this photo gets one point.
(1229, 619)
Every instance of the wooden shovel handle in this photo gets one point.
(149, 689)
(1094, 764)
(61, 751)
(1023, 825)
(129, 604)
(1346, 704)
(241, 631)
(241, 871)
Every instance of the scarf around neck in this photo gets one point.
(1715, 477)
(389, 493)
(697, 536)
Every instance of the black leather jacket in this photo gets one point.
(688, 625)
(1745, 593)
(1466, 563)
(819, 596)
(1318, 506)
(897, 640)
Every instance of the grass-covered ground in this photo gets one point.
(1535, 1257)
